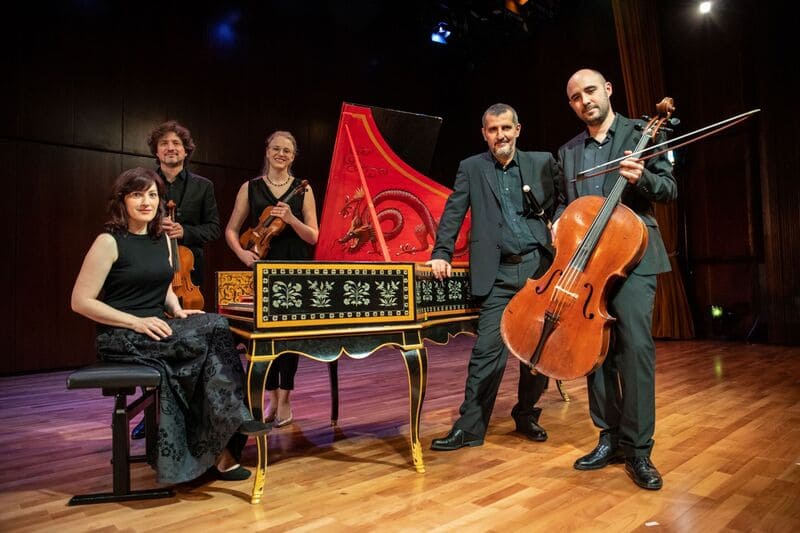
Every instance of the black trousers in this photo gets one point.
(282, 371)
(489, 355)
(622, 391)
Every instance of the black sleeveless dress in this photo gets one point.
(287, 245)
(201, 398)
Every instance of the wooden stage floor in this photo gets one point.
(727, 442)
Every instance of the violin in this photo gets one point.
(558, 324)
(188, 294)
(258, 238)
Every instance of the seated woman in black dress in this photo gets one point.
(125, 285)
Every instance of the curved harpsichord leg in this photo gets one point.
(416, 360)
(333, 377)
(256, 381)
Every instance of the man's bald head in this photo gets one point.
(588, 93)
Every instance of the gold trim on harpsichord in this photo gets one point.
(342, 351)
(412, 338)
(294, 294)
(303, 295)
(358, 330)
(233, 285)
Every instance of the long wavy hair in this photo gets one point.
(134, 180)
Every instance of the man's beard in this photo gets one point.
(175, 162)
(504, 150)
(600, 118)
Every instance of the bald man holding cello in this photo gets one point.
(622, 389)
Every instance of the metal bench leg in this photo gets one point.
(151, 428)
(120, 457)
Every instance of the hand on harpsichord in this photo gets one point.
(440, 268)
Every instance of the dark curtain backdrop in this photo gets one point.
(740, 189)
(640, 55)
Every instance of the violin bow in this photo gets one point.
(721, 125)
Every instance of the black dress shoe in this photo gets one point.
(138, 432)
(457, 438)
(528, 426)
(602, 455)
(643, 472)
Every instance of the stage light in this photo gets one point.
(716, 311)
(223, 32)
(515, 5)
(440, 33)
(705, 8)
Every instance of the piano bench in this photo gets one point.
(120, 380)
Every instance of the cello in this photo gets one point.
(188, 294)
(258, 237)
(558, 324)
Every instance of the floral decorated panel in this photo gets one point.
(320, 294)
(448, 297)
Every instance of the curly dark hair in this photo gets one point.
(134, 180)
(171, 126)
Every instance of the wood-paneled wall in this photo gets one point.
(83, 83)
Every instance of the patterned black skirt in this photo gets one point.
(201, 396)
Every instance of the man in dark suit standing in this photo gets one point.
(508, 245)
(197, 218)
(622, 390)
(196, 214)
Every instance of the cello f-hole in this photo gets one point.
(586, 313)
(540, 289)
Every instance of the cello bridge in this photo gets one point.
(572, 295)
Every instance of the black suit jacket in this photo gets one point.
(199, 216)
(655, 185)
(476, 188)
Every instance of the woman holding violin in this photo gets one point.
(288, 228)
(622, 389)
(125, 286)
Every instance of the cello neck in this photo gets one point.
(584, 251)
(176, 257)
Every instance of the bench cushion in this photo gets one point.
(113, 375)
